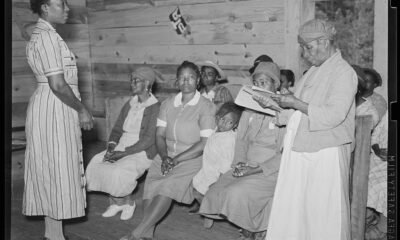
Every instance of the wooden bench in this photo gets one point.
(359, 163)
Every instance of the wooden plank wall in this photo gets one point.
(75, 33)
(126, 34)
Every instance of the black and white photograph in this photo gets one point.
(200, 120)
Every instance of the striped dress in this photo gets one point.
(54, 175)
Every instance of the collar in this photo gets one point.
(334, 57)
(150, 101)
(192, 102)
(44, 25)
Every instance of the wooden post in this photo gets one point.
(296, 13)
(359, 176)
(380, 60)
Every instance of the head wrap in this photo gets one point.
(270, 69)
(208, 63)
(261, 58)
(315, 29)
(145, 73)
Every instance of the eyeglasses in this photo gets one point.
(136, 80)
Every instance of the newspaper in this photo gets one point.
(245, 99)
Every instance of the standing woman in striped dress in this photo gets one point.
(54, 175)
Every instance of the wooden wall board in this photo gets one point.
(227, 54)
(21, 12)
(206, 34)
(239, 12)
(18, 111)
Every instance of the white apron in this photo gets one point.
(311, 195)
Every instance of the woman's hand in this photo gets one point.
(285, 91)
(242, 171)
(167, 165)
(85, 119)
(116, 155)
(285, 100)
(264, 102)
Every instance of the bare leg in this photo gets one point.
(199, 198)
(157, 208)
(53, 229)
(129, 199)
(122, 200)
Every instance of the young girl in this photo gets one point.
(219, 150)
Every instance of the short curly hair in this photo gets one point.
(190, 65)
(36, 6)
(289, 76)
(375, 75)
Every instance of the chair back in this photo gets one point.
(359, 172)
(113, 107)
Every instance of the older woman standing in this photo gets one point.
(54, 175)
(311, 199)
(185, 122)
(131, 147)
(244, 195)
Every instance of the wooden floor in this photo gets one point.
(178, 225)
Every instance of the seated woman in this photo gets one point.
(219, 150)
(364, 106)
(209, 86)
(287, 81)
(244, 195)
(185, 122)
(373, 80)
(376, 222)
(131, 147)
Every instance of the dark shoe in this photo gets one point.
(195, 209)
(247, 235)
(260, 235)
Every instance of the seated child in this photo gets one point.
(219, 150)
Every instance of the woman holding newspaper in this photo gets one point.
(244, 194)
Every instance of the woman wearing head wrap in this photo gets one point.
(209, 86)
(259, 59)
(243, 195)
(311, 199)
(130, 148)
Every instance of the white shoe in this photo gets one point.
(128, 211)
(112, 210)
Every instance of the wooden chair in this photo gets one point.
(113, 107)
(359, 171)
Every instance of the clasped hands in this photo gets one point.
(167, 165)
(113, 156)
(243, 169)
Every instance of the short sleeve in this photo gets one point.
(50, 53)
(162, 115)
(207, 119)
